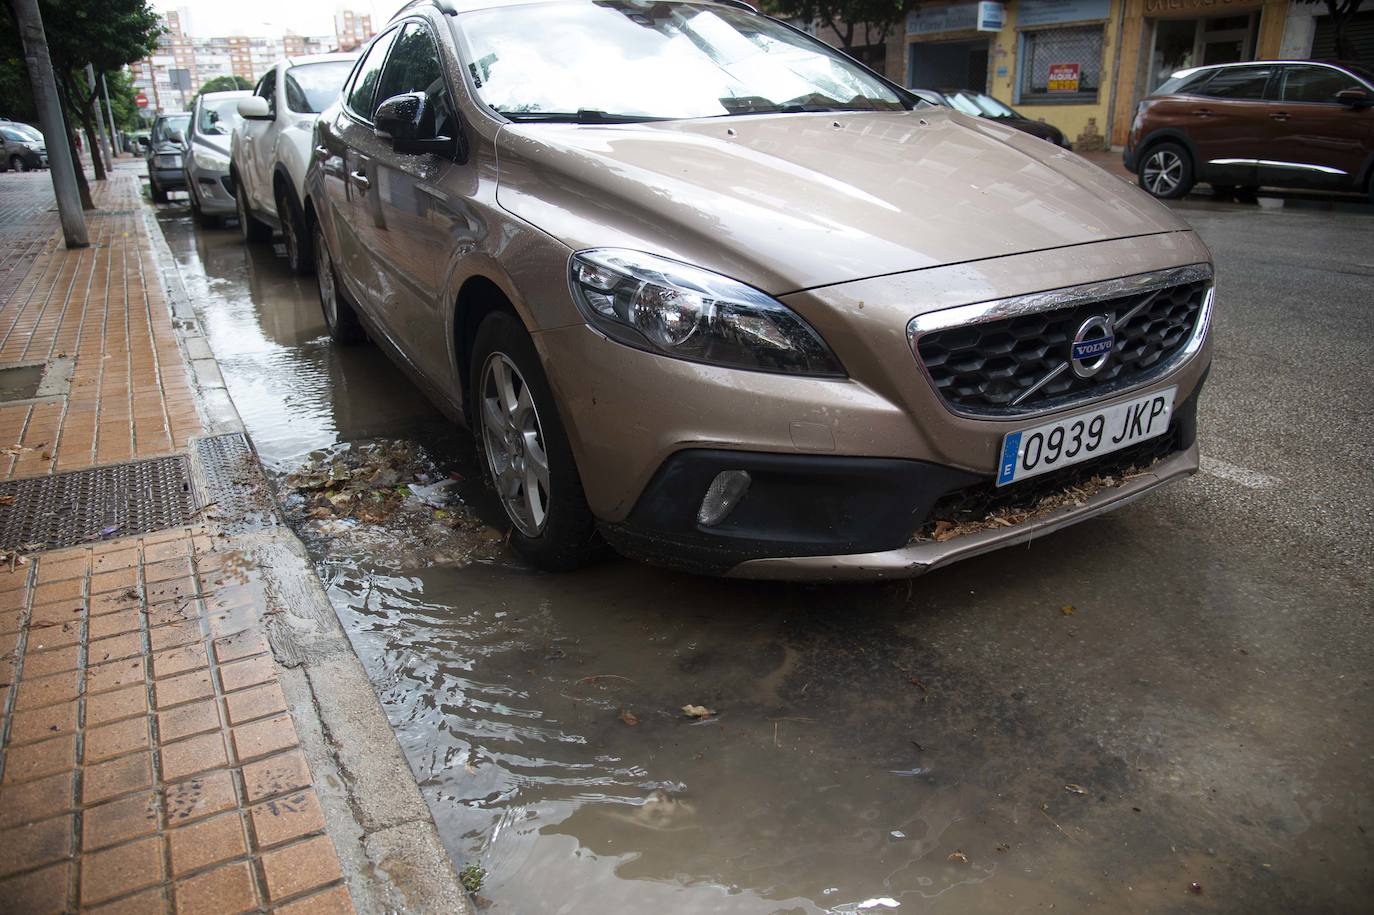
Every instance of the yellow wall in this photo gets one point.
(1072, 118)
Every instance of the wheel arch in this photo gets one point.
(1163, 135)
(479, 296)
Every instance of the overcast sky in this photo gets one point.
(272, 18)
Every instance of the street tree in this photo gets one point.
(857, 23)
(1341, 12)
(224, 84)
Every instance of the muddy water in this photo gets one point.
(1073, 726)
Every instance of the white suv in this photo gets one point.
(270, 150)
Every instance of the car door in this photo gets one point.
(1320, 143)
(352, 145)
(423, 223)
(252, 146)
(1230, 126)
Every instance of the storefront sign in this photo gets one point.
(929, 20)
(1166, 6)
(1052, 12)
(991, 16)
(1063, 78)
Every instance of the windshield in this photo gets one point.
(979, 105)
(218, 118)
(165, 126)
(623, 60)
(310, 88)
(21, 133)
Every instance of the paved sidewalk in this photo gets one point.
(150, 758)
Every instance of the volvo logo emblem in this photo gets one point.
(1092, 346)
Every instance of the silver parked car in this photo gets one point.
(213, 119)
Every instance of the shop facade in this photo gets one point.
(1082, 65)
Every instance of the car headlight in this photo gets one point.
(212, 162)
(672, 308)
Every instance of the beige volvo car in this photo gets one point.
(710, 292)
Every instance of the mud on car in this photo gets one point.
(711, 292)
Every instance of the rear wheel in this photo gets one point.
(253, 229)
(529, 461)
(1166, 171)
(339, 316)
(299, 250)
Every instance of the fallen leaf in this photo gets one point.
(7, 500)
(1075, 789)
(1067, 609)
(628, 717)
(958, 856)
(697, 711)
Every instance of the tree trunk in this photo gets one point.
(87, 202)
(93, 140)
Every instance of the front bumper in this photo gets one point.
(213, 190)
(168, 179)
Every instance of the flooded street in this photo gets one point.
(1162, 709)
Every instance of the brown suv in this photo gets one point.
(1283, 123)
(710, 291)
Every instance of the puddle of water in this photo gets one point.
(872, 745)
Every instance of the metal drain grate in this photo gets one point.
(69, 509)
(237, 494)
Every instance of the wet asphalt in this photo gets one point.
(1165, 709)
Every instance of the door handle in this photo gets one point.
(1203, 112)
(360, 179)
(1280, 115)
(321, 152)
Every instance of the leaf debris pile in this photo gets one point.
(388, 498)
(1074, 495)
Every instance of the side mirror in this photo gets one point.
(176, 136)
(1354, 98)
(407, 120)
(254, 108)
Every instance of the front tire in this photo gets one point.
(18, 164)
(203, 219)
(158, 194)
(252, 229)
(1166, 171)
(339, 316)
(525, 449)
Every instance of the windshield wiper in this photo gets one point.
(581, 116)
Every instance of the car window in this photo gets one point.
(163, 128)
(361, 95)
(1314, 84)
(633, 60)
(1238, 83)
(414, 67)
(218, 117)
(11, 134)
(311, 88)
(267, 89)
(1188, 84)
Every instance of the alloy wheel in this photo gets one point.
(1163, 172)
(514, 443)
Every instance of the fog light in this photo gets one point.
(722, 496)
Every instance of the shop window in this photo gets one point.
(1061, 65)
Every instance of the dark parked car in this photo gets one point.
(21, 147)
(1283, 123)
(978, 105)
(166, 150)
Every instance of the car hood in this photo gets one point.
(788, 202)
(216, 143)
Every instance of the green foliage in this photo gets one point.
(857, 23)
(224, 84)
(471, 877)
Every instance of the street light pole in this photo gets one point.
(99, 118)
(109, 110)
(50, 118)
